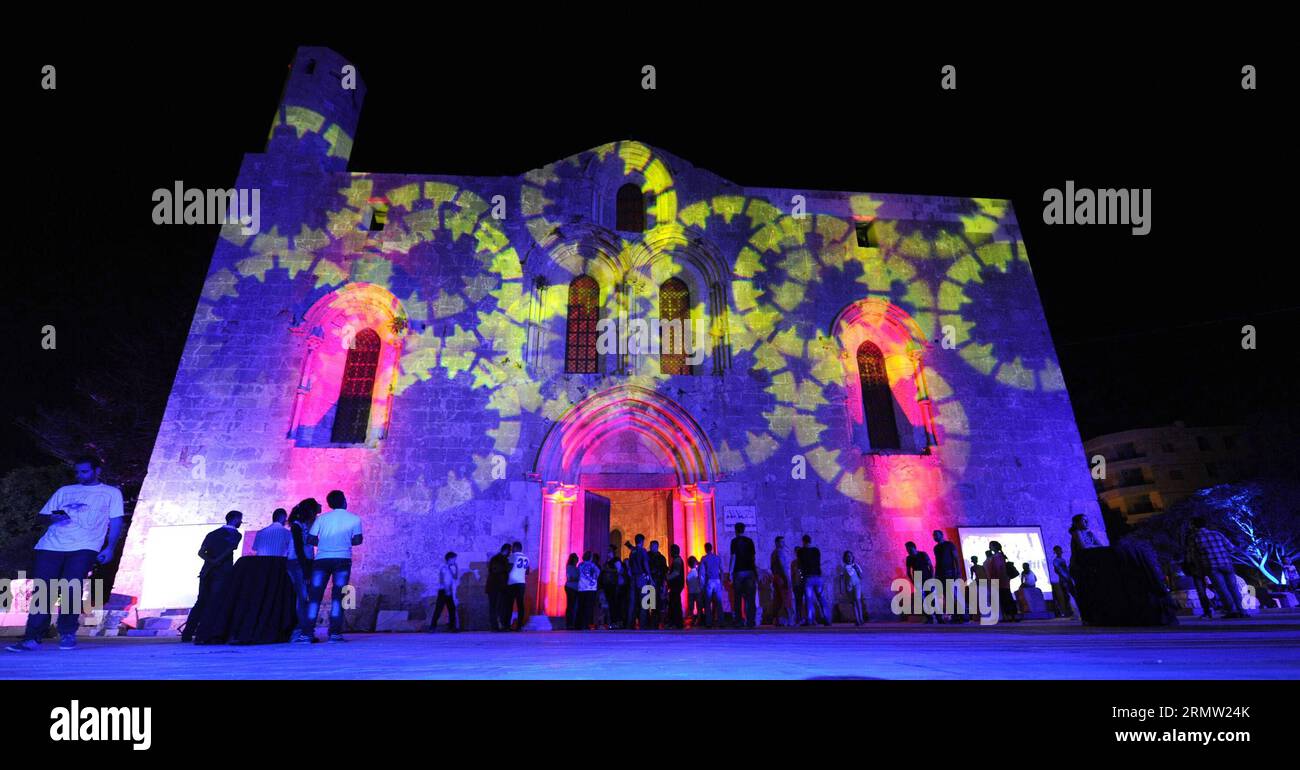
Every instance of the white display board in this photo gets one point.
(170, 572)
(1020, 544)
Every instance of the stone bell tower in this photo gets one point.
(317, 116)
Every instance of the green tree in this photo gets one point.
(1262, 518)
(23, 491)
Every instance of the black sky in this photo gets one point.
(1147, 328)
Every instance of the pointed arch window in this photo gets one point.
(580, 354)
(877, 398)
(631, 209)
(674, 326)
(352, 415)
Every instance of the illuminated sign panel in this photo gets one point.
(1022, 545)
(171, 565)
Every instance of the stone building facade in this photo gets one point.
(472, 360)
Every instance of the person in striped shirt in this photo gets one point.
(275, 540)
(1211, 553)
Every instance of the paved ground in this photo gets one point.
(1257, 648)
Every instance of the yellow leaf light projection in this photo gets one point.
(832, 362)
(480, 320)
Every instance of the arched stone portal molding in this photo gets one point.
(572, 448)
(656, 417)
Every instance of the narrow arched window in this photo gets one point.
(631, 209)
(352, 415)
(877, 398)
(584, 314)
(674, 326)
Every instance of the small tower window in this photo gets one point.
(866, 234)
(378, 216)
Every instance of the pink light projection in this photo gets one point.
(331, 327)
(903, 344)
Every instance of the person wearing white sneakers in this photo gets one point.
(334, 535)
(80, 515)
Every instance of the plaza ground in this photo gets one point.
(1257, 648)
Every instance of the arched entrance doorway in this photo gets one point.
(638, 460)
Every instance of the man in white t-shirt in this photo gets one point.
(517, 582)
(85, 526)
(334, 534)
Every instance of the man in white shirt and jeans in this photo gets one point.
(333, 534)
(517, 583)
(80, 516)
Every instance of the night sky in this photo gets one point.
(1147, 328)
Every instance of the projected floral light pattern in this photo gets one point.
(780, 267)
(476, 325)
(463, 283)
(788, 258)
(993, 258)
(769, 275)
(306, 121)
(462, 323)
(543, 188)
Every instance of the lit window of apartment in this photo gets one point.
(1126, 451)
(1131, 477)
(1141, 505)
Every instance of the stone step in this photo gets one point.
(393, 620)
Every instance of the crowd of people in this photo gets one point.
(647, 588)
(1126, 584)
(317, 549)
